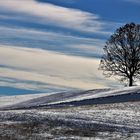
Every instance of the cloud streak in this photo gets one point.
(50, 68)
(46, 47)
(54, 41)
(52, 14)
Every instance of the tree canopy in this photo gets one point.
(121, 56)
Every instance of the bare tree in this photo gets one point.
(121, 56)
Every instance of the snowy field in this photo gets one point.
(69, 118)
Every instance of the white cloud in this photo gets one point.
(56, 15)
(55, 41)
(47, 67)
(51, 68)
(51, 35)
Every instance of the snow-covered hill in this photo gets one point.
(78, 115)
(97, 96)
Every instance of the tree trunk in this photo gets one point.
(130, 81)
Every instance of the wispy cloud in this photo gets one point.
(54, 41)
(45, 46)
(50, 68)
(35, 86)
(57, 15)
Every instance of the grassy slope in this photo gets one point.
(105, 121)
(110, 121)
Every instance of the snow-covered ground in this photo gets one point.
(72, 98)
(111, 121)
(75, 119)
(33, 100)
(10, 100)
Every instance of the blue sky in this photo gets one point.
(56, 45)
